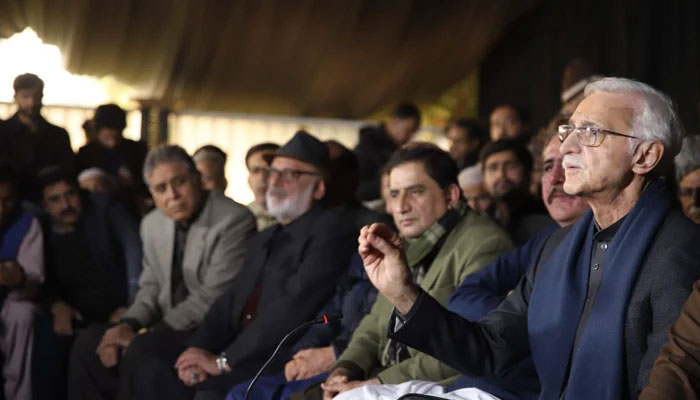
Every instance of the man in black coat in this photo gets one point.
(290, 271)
(28, 141)
(595, 314)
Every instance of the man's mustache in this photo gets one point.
(571, 161)
(556, 190)
(277, 192)
(69, 211)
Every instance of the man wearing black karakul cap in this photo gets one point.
(290, 271)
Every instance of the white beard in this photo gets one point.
(287, 208)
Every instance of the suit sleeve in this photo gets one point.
(479, 348)
(218, 326)
(225, 262)
(422, 366)
(676, 373)
(484, 290)
(327, 255)
(145, 308)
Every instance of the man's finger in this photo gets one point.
(383, 246)
(383, 230)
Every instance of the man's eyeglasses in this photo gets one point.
(288, 175)
(588, 135)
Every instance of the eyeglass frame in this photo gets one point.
(595, 130)
(288, 174)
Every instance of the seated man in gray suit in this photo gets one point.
(291, 270)
(194, 244)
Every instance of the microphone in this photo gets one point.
(324, 319)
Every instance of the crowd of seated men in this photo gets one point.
(558, 264)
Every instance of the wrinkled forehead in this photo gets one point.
(603, 109)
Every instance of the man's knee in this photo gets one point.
(86, 341)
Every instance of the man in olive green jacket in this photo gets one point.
(445, 241)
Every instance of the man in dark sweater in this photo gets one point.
(93, 251)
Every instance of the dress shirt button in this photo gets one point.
(604, 246)
(596, 266)
(248, 317)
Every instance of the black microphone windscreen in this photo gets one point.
(334, 316)
(328, 318)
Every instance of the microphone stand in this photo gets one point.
(325, 319)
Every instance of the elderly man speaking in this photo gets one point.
(594, 315)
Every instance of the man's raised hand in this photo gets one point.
(385, 262)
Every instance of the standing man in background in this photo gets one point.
(27, 140)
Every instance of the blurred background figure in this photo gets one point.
(471, 181)
(119, 157)
(378, 143)
(688, 177)
(21, 275)
(27, 140)
(96, 180)
(507, 165)
(258, 180)
(211, 164)
(537, 145)
(343, 178)
(577, 74)
(506, 122)
(466, 139)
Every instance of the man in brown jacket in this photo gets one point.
(676, 373)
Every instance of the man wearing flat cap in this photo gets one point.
(289, 273)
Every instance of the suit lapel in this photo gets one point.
(167, 243)
(195, 245)
(194, 249)
(433, 272)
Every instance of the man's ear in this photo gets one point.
(646, 157)
(319, 190)
(453, 193)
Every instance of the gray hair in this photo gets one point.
(688, 160)
(166, 154)
(656, 119)
(210, 153)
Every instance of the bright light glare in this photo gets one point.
(26, 52)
